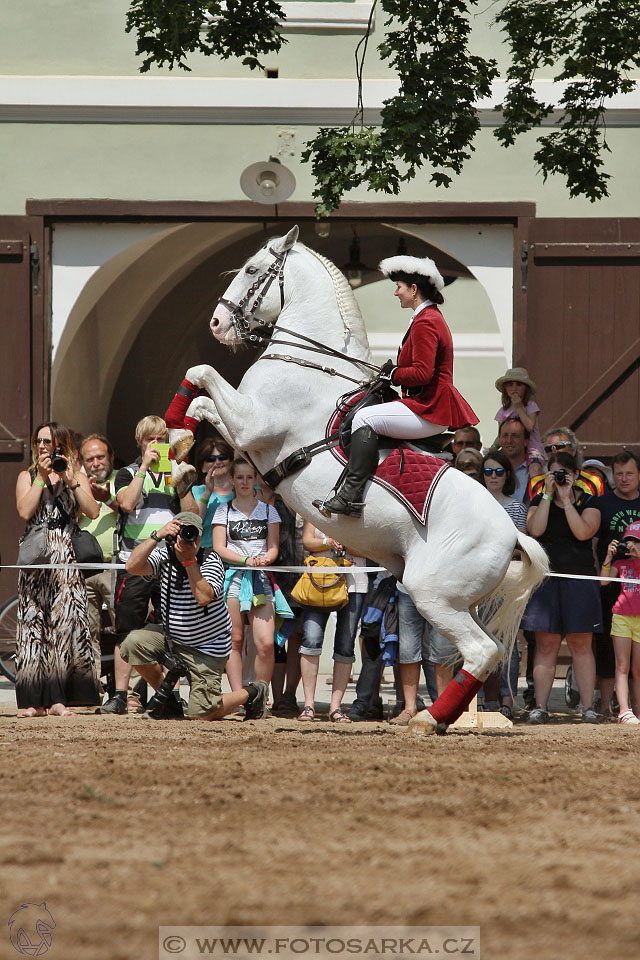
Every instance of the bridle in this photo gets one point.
(244, 320)
(243, 314)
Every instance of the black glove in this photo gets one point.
(386, 370)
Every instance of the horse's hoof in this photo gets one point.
(182, 444)
(185, 481)
(423, 724)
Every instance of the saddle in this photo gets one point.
(409, 470)
(432, 446)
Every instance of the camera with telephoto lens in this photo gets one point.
(188, 532)
(622, 550)
(58, 461)
(176, 669)
(560, 476)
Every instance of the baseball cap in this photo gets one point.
(632, 531)
(192, 518)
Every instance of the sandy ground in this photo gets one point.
(123, 824)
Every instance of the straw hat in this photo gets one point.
(520, 375)
(411, 265)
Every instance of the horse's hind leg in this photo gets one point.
(481, 653)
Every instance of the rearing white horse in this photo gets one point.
(464, 552)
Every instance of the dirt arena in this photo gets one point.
(125, 824)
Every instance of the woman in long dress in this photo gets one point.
(55, 667)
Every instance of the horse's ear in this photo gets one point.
(285, 243)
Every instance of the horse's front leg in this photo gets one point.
(241, 420)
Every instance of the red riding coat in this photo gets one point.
(425, 372)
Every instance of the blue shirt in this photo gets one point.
(214, 502)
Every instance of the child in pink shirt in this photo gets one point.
(625, 625)
(518, 390)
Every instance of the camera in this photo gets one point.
(621, 551)
(560, 476)
(58, 461)
(188, 531)
(157, 707)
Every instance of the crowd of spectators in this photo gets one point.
(208, 594)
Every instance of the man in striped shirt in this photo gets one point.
(146, 500)
(195, 618)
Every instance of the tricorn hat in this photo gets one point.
(520, 375)
(412, 265)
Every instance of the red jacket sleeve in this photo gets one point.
(424, 348)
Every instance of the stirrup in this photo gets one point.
(352, 508)
(320, 505)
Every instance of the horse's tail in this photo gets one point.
(503, 609)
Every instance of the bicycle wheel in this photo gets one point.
(8, 633)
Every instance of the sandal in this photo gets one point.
(308, 713)
(338, 716)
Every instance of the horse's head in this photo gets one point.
(256, 295)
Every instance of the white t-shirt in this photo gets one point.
(246, 535)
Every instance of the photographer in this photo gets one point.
(55, 667)
(623, 560)
(146, 500)
(564, 519)
(196, 620)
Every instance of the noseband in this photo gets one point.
(243, 314)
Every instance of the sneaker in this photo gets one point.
(506, 711)
(113, 705)
(357, 712)
(590, 716)
(287, 706)
(538, 715)
(375, 711)
(629, 717)
(256, 709)
(397, 709)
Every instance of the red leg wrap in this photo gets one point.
(190, 423)
(455, 697)
(174, 417)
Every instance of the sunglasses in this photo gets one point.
(559, 445)
(489, 471)
(214, 457)
(44, 440)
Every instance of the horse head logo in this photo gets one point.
(30, 929)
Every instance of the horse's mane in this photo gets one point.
(347, 303)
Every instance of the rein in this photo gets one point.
(244, 313)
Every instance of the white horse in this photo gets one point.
(464, 552)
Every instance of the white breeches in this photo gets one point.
(394, 419)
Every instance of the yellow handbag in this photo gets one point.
(325, 590)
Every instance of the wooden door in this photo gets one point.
(25, 359)
(580, 335)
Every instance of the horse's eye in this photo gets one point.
(251, 270)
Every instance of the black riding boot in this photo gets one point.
(363, 460)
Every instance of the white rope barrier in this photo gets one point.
(296, 569)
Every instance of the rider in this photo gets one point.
(430, 403)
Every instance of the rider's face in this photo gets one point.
(406, 294)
